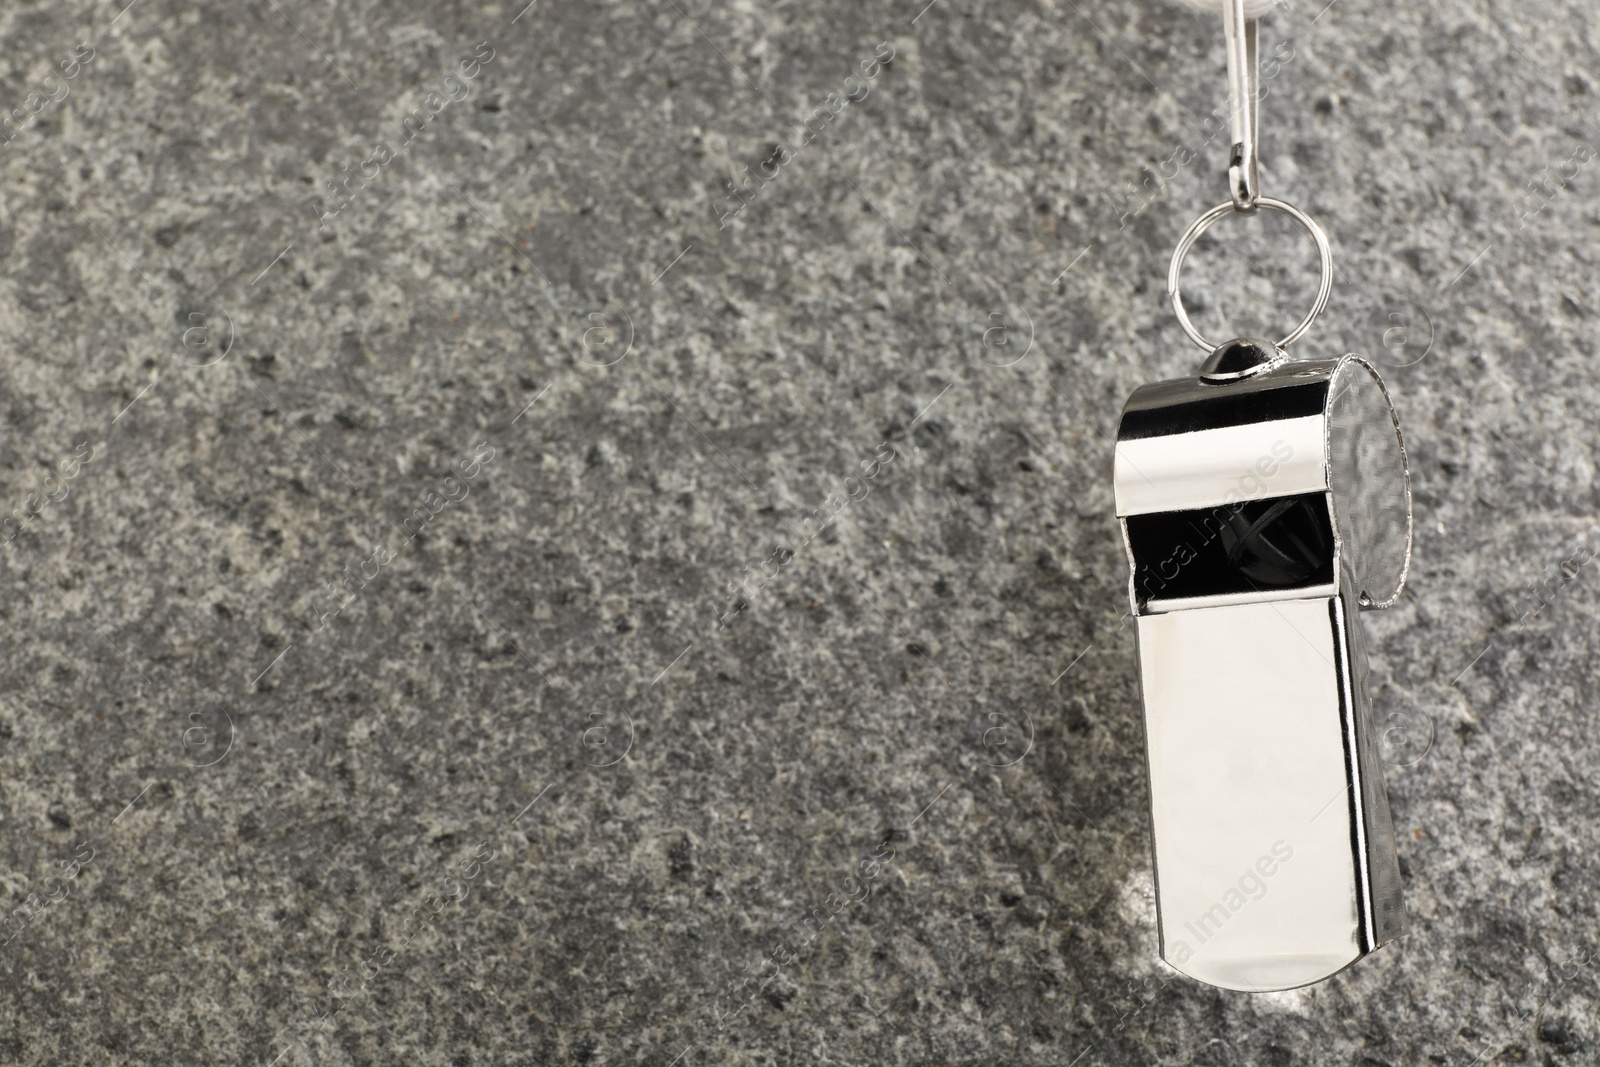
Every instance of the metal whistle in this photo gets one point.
(1263, 503)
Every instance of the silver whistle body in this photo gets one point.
(1263, 504)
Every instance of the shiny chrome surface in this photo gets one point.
(1260, 514)
(1244, 106)
(1366, 458)
(1239, 359)
(1221, 466)
(1250, 762)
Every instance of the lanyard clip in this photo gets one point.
(1244, 106)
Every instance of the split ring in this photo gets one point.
(1205, 222)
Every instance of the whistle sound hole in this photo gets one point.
(1280, 543)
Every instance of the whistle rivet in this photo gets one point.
(1240, 358)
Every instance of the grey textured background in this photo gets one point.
(275, 807)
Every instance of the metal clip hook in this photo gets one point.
(1244, 110)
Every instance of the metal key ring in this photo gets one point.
(1205, 222)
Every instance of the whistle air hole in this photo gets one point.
(1279, 543)
(1245, 547)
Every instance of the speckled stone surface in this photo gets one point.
(376, 689)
